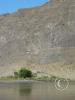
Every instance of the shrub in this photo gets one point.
(16, 74)
(53, 78)
(25, 73)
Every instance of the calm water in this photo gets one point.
(34, 91)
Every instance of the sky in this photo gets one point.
(9, 6)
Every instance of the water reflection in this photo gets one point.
(25, 89)
(35, 91)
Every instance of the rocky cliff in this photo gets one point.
(41, 38)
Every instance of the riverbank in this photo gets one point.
(43, 78)
(25, 74)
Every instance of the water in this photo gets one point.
(34, 91)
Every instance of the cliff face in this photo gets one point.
(39, 36)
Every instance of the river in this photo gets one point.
(33, 90)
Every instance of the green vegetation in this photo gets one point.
(16, 74)
(19, 75)
(23, 73)
(53, 78)
(9, 78)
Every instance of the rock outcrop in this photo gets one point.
(42, 36)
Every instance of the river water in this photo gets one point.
(35, 91)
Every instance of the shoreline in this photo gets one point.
(28, 81)
(17, 81)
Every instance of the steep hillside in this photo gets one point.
(37, 37)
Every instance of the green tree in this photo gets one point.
(25, 73)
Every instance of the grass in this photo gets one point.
(33, 77)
